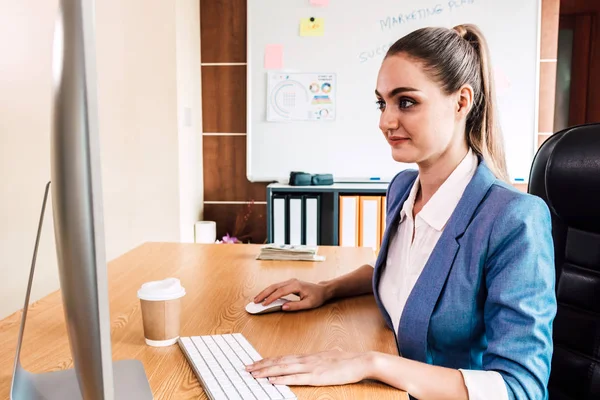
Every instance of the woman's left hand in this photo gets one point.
(320, 369)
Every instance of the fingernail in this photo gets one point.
(272, 379)
(285, 307)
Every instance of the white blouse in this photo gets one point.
(407, 257)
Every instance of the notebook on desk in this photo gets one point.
(289, 252)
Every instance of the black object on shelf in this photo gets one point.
(298, 178)
(322, 179)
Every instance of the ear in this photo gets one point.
(464, 101)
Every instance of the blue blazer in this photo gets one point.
(485, 299)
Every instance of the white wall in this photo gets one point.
(137, 97)
(26, 29)
(142, 160)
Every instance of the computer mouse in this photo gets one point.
(254, 308)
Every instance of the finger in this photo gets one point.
(270, 289)
(301, 379)
(280, 292)
(335, 354)
(297, 305)
(282, 369)
(267, 291)
(267, 362)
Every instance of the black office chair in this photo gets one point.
(566, 174)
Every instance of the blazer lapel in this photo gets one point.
(414, 323)
(391, 225)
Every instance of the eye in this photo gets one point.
(406, 103)
(380, 104)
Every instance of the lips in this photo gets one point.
(395, 140)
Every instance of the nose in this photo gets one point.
(388, 122)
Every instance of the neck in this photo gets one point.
(434, 172)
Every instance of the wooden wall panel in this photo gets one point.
(580, 68)
(231, 218)
(547, 78)
(225, 171)
(584, 16)
(223, 31)
(548, 51)
(547, 94)
(549, 29)
(223, 40)
(224, 99)
(579, 6)
(541, 139)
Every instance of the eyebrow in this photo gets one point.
(397, 90)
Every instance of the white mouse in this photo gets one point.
(254, 308)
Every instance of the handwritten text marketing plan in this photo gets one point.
(392, 22)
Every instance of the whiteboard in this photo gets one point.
(356, 36)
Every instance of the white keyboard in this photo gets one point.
(219, 362)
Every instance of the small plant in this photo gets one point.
(229, 239)
(242, 232)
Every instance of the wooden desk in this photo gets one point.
(220, 280)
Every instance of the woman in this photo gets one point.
(465, 275)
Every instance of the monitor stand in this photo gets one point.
(130, 381)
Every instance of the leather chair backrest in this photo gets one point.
(566, 174)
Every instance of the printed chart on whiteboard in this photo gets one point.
(301, 96)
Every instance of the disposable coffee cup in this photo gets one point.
(161, 311)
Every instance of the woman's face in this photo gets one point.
(419, 121)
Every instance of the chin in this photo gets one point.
(404, 156)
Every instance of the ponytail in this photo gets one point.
(483, 131)
(455, 57)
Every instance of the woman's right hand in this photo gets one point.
(311, 295)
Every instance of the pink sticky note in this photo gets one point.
(274, 56)
(320, 3)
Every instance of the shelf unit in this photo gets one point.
(329, 204)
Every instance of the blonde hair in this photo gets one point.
(453, 58)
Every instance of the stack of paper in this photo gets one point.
(289, 252)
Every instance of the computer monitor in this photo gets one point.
(79, 229)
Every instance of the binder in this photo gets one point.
(296, 219)
(311, 220)
(370, 222)
(348, 224)
(279, 219)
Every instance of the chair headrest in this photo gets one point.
(573, 178)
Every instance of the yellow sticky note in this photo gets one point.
(312, 26)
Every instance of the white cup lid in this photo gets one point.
(167, 289)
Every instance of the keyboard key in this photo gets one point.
(219, 362)
(285, 391)
(262, 396)
(226, 364)
(272, 392)
(232, 394)
(248, 347)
